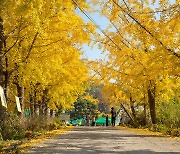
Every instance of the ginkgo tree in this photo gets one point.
(40, 51)
(143, 45)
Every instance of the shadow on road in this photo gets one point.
(90, 151)
(87, 140)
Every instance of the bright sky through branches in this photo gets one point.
(95, 53)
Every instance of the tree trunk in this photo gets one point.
(151, 101)
(144, 119)
(20, 91)
(6, 75)
(31, 105)
(44, 101)
(48, 113)
(1, 52)
(51, 113)
(35, 102)
(128, 114)
(45, 111)
(41, 108)
(35, 109)
(132, 107)
(2, 109)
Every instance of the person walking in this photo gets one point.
(113, 116)
(107, 120)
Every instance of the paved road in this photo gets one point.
(107, 140)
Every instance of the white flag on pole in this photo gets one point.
(18, 104)
(3, 99)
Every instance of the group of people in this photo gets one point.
(113, 119)
(88, 120)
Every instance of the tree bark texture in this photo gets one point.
(151, 101)
(20, 91)
(31, 105)
(2, 109)
(132, 107)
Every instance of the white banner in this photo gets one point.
(3, 99)
(18, 104)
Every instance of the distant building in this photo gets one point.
(64, 117)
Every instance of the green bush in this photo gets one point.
(54, 123)
(165, 130)
(36, 123)
(156, 128)
(168, 113)
(19, 135)
(168, 117)
(13, 128)
(159, 128)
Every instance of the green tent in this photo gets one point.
(102, 121)
(73, 122)
(76, 122)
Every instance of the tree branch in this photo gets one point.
(31, 46)
(143, 27)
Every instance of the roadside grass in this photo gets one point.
(21, 146)
(146, 131)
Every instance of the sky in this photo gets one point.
(94, 53)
